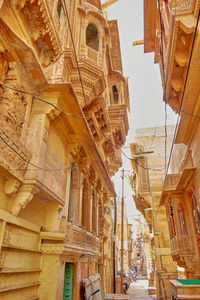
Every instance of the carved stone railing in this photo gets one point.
(182, 245)
(171, 181)
(92, 54)
(79, 236)
(181, 5)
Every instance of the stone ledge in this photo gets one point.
(117, 296)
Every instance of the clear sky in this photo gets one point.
(145, 88)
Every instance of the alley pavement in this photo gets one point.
(139, 290)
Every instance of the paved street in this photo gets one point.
(139, 290)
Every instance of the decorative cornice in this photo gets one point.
(52, 248)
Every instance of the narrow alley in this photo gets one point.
(99, 149)
(139, 290)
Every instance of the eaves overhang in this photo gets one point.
(150, 9)
(179, 183)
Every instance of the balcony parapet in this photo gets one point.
(182, 245)
(80, 237)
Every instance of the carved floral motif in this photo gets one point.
(12, 103)
(181, 4)
(41, 30)
(9, 159)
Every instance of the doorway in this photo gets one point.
(68, 281)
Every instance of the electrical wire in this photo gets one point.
(42, 100)
(181, 103)
(187, 113)
(148, 168)
(69, 115)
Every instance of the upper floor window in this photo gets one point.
(115, 94)
(59, 8)
(92, 39)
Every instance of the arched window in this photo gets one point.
(115, 94)
(182, 219)
(92, 39)
(59, 7)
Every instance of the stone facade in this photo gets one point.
(147, 179)
(181, 56)
(57, 144)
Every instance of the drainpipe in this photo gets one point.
(114, 259)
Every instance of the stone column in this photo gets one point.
(87, 206)
(76, 281)
(94, 211)
(51, 283)
(74, 195)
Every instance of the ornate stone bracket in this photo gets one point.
(11, 186)
(24, 196)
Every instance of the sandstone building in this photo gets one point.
(178, 49)
(58, 145)
(148, 174)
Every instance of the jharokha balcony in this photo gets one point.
(182, 245)
(80, 238)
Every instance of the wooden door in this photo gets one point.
(68, 281)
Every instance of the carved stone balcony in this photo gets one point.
(92, 55)
(182, 245)
(42, 23)
(92, 74)
(141, 203)
(80, 237)
(171, 181)
(179, 47)
(119, 123)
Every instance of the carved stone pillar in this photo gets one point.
(83, 38)
(100, 48)
(74, 195)
(87, 206)
(94, 211)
